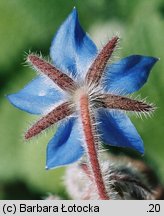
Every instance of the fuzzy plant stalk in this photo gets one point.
(92, 145)
(85, 95)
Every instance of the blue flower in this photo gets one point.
(77, 67)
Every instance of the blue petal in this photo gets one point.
(129, 74)
(72, 50)
(65, 147)
(37, 97)
(116, 129)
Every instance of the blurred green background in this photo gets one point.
(30, 25)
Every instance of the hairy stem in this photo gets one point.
(91, 145)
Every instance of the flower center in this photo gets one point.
(79, 93)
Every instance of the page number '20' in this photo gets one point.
(154, 208)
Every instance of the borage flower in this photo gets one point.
(77, 89)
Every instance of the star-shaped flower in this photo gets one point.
(77, 89)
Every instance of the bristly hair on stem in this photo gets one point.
(91, 146)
